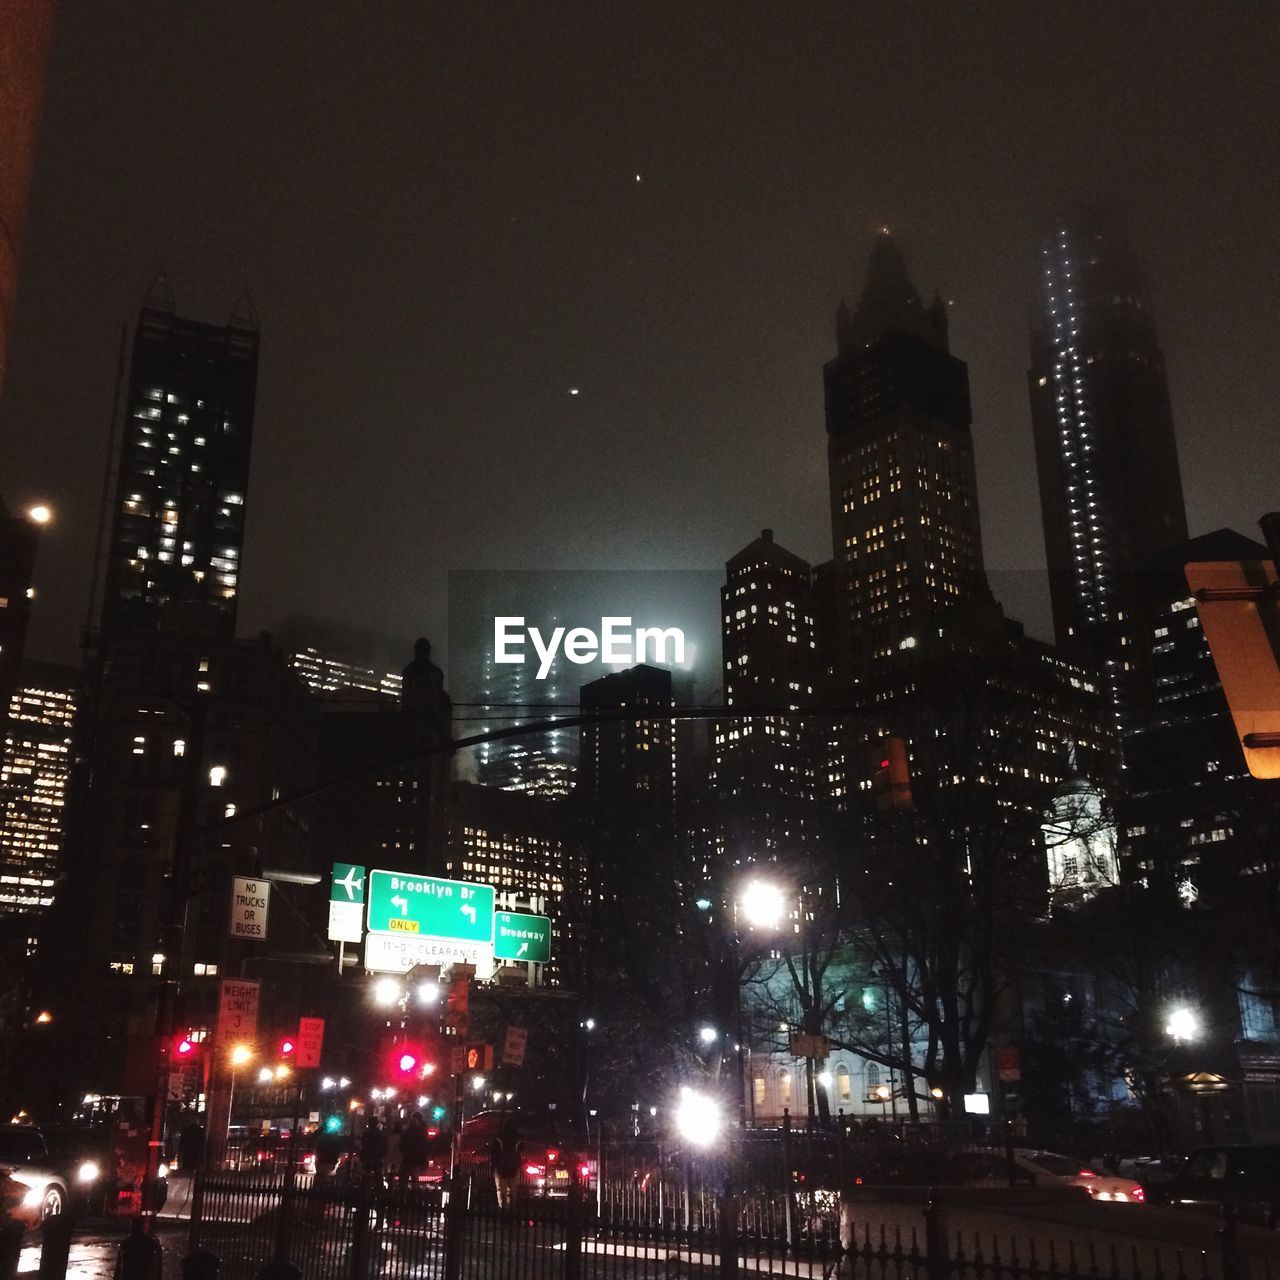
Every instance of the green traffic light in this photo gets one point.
(333, 1124)
(437, 1113)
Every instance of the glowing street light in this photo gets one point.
(708, 1035)
(1182, 1025)
(240, 1054)
(764, 905)
(386, 992)
(698, 1119)
(39, 514)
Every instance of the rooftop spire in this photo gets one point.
(889, 301)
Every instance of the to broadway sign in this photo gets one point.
(520, 937)
(425, 906)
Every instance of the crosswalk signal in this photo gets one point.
(479, 1057)
(891, 776)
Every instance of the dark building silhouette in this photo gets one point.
(1107, 459)
(177, 523)
(904, 503)
(19, 539)
(1194, 818)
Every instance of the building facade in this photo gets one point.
(34, 775)
(177, 520)
(1106, 455)
(904, 503)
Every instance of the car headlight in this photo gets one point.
(162, 1171)
(32, 1198)
(88, 1172)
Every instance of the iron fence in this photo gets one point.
(366, 1230)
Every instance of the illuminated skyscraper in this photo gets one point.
(763, 766)
(177, 525)
(904, 503)
(34, 771)
(1110, 486)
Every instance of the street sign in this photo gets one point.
(806, 1046)
(1009, 1063)
(520, 937)
(513, 1046)
(425, 906)
(237, 1011)
(249, 901)
(346, 903)
(398, 953)
(310, 1040)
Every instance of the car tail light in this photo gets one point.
(534, 1170)
(584, 1171)
(1138, 1195)
(1086, 1173)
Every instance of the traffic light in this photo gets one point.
(409, 1062)
(333, 1124)
(891, 776)
(479, 1057)
(185, 1049)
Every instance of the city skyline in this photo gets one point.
(686, 326)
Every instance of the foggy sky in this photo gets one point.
(436, 210)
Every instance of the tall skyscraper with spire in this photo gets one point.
(904, 501)
(1110, 486)
(177, 524)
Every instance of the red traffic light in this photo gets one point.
(407, 1063)
(184, 1048)
(287, 1047)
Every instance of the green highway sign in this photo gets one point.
(402, 903)
(347, 883)
(520, 937)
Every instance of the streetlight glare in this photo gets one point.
(1182, 1025)
(698, 1119)
(240, 1054)
(386, 992)
(763, 904)
(39, 514)
(708, 1035)
(429, 993)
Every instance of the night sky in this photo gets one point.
(436, 208)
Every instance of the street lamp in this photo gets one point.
(763, 905)
(386, 992)
(708, 1035)
(1182, 1025)
(39, 514)
(697, 1117)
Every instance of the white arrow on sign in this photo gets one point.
(402, 903)
(466, 911)
(524, 946)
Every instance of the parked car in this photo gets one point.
(552, 1150)
(25, 1158)
(1246, 1178)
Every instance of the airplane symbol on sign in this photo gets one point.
(350, 882)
